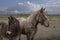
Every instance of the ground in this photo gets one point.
(46, 33)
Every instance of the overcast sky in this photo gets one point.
(50, 5)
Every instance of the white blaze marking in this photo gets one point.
(8, 32)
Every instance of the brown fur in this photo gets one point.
(4, 28)
(14, 27)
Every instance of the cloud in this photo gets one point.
(16, 11)
(20, 3)
(53, 6)
(32, 6)
(3, 8)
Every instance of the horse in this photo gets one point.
(4, 27)
(13, 29)
(28, 27)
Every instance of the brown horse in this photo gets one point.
(28, 27)
(4, 30)
(14, 28)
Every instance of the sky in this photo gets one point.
(5, 3)
(50, 5)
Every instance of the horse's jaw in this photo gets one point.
(46, 24)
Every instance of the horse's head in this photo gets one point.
(11, 19)
(10, 30)
(13, 23)
(42, 18)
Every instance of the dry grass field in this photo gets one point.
(44, 33)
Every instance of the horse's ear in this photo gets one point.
(11, 17)
(41, 10)
(8, 17)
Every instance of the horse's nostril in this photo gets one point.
(7, 33)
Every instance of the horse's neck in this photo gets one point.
(34, 22)
(32, 19)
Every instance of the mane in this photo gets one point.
(21, 19)
(33, 16)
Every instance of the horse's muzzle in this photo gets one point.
(8, 33)
(46, 23)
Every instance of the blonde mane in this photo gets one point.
(31, 17)
(21, 19)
